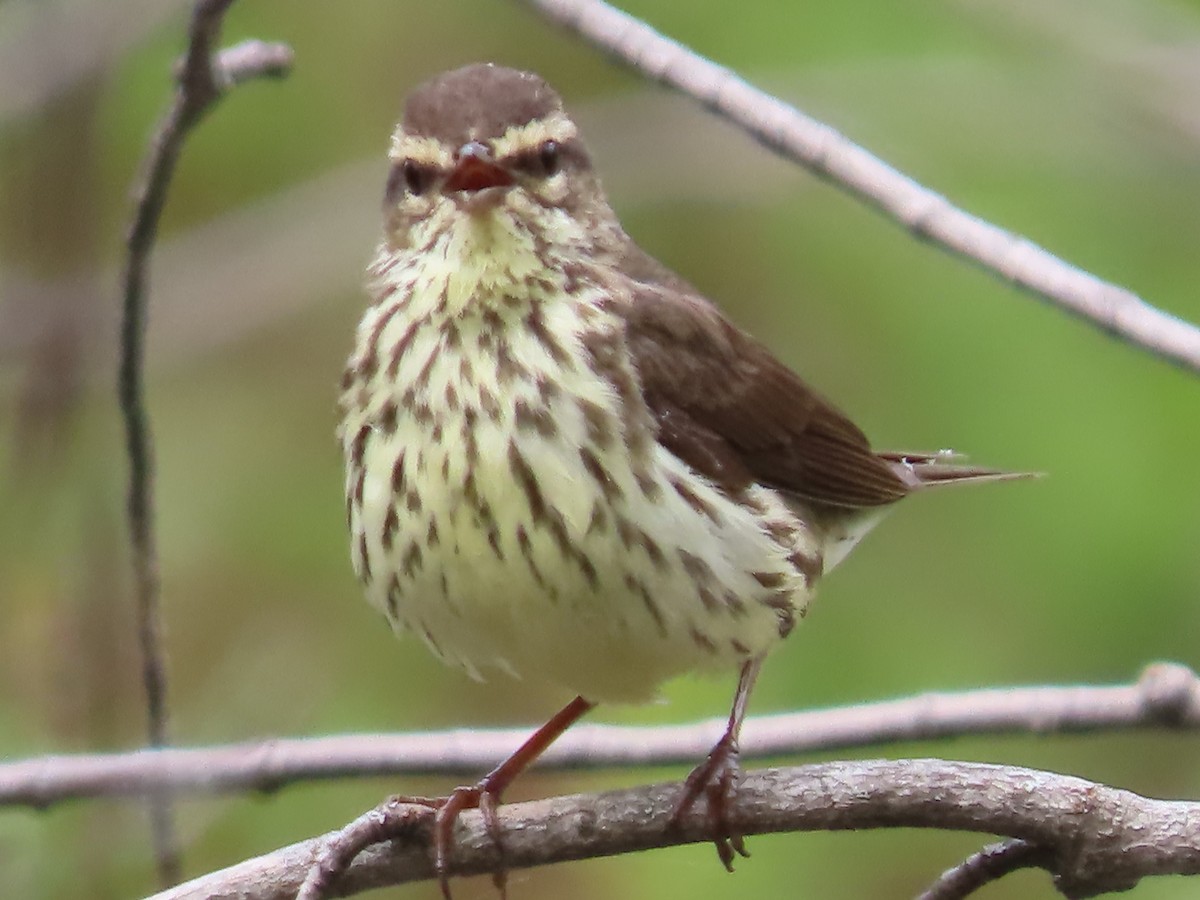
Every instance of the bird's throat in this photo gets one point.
(463, 262)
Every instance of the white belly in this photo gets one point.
(509, 525)
(506, 505)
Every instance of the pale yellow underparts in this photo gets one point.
(475, 597)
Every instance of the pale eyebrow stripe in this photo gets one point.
(430, 151)
(424, 150)
(556, 128)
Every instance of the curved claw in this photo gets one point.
(716, 779)
(484, 797)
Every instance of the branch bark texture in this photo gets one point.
(1100, 839)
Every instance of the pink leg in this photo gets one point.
(484, 795)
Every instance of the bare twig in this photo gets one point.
(201, 80)
(832, 156)
(1166, 695)
(990, 864)
(1103, 839)
(392, 820)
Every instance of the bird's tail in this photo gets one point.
(921, 470)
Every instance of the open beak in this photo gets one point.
(475, 170)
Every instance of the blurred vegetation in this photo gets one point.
(1075, 122)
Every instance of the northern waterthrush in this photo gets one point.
(564, 463)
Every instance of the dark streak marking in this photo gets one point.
(609, 359)
(810, 566)
(364, 560)
(695, 501)
(423, 376)
(387, 417)
(412, 560)
(598, 520)
(608, 487)
(536, 323)
(401, 346)
(527, 552)
(769, 579)
(494, 542)
(528, 483)
(370, 362)
(652, 549)
(737, 606)
(489, 404)
(433, 645)
(548, 390)
(702, 640)
(398, 474)
(539, 419)
(649, 485)
(599, 424)
(393, 597)
(696, 567)
(638, 587)
(781, 602)
(391, 523)
(358, 446)
(589, 570)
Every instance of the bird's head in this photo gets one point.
(486, 147)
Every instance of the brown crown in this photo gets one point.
(478, 102)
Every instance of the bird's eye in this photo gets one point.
(541, 161)
(417, 177)
(408, 176)
(548, 156)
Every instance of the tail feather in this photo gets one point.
(917, 471)
(921, 469)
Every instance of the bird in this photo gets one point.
(562, 461)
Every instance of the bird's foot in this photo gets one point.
(484, 796)
(716, 779)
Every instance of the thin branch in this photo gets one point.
(201, 81)
(1103, 839)
(990, 864)
(830, 155)
(1165, 696)
(391, 820)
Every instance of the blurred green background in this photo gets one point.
(1074, 122)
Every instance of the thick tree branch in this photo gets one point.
(1167, 695)
(202, 79)
(1103, 839)
(832, 156)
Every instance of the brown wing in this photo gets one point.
(733, 412)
